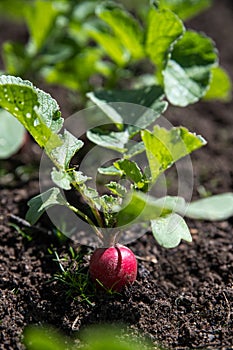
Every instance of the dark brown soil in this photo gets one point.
(183, 297)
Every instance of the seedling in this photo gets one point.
(72, 274)
(111, 213)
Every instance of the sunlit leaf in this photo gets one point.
(61, 179)
(63, 154)
(124, 26)
(220, 86)
(165, 147)
(105, 337)
(186, 8)
(74, 73)
(164, 28)
(188, 71)
(112, 140)
(12, 134)
(117, 189)
(218, 207)
(111, 170)
(141, 207)
(131, 170)
(111, 45)
(14, 57)
(112, 103)
(40, 18)
(39, 204)
(169, 230)
(37, 338)
(79, 177)
(136, 149)
(21, 99)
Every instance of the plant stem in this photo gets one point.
(88, 220)
(92, 207)
(110, 239)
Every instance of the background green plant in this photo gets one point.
(63, 52)
(94, 45)
(92, 338)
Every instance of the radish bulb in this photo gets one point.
(113, 267)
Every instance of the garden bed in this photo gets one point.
(183, 297)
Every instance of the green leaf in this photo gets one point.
(141, 207)
(168, 231)
(136, 149)
(111, 45)
(40, 18)
(91, 196)
(49, 111)
(39, 204)
(105, 337)
(14, 57)
(21, 99)
(61, 179)
(165, 147)
(14, 12)
(117, 189)
(109, 205)
(185, 9)
(218, 207)
(111, 170)
(105, 107)
(148, 96)
(174, 203)
(164, 28)
(112, 140)
(188, 71)
(63, 154)
(74, 73)
(12, 134)
(83, 10)
(220, 86)
(79, 178)
(37, 338)
(124, 26)
(131, 170)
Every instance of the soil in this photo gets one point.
(183, 297)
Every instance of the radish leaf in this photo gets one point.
(218, 207)
(39, 204)
(188, 71)
(112, 46)
(220, 86)
(131, 171)
(117, 189)
(11, 134)
(63, 154)
(41, 14)
(164, 28)
(185, 8)
(21, 99)
(112, 140)
(148, 96)
(169, 230)
(141, 207)
(124, 26)
(165, 147)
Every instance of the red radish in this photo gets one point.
(113, 267)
